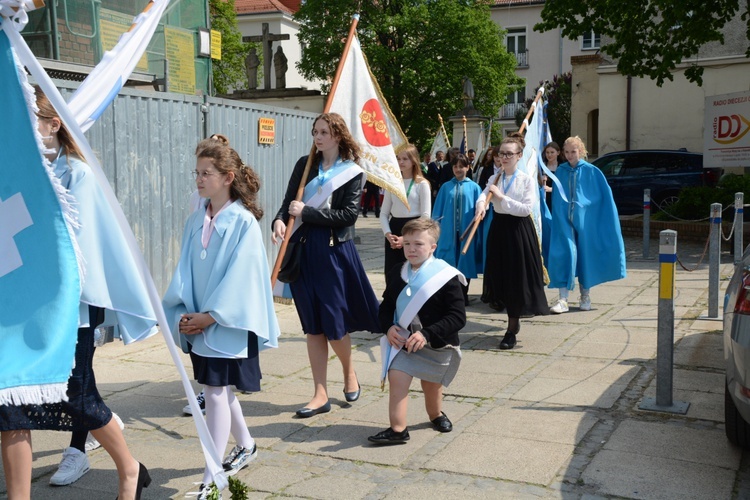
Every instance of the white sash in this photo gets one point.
(317, 195)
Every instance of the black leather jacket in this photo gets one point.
(344, 204)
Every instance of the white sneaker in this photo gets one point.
(560, 307)
(203, 492)
(73, 465)
(92, 443)
(201, 402)
(239, 458)
(585, 303)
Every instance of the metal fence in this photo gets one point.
(146, 143)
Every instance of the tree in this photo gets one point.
(418, 50)
(229, 72)
(559, 94)
(647, 37)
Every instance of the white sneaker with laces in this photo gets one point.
(585, 304)
(92, 443)
(239, 458)
(73, 466)
(201, 402)
(203, 491)
(560, 307)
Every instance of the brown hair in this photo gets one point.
(246, 183)
(422, 224)
(487, 155)
(515, 138)
(416, 170)
(460, 159)
(348, 147)
(576, 141)
(48, 112)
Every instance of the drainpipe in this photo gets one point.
(560, 71)
(627, 113)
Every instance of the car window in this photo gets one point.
(638, 164)
(610, 165)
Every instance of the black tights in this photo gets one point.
(514, 324)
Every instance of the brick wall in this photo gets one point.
(73, 48)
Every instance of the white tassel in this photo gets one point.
(34, 394)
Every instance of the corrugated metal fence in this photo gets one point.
(146, 143)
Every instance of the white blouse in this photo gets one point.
(419, 204)
(519, 199)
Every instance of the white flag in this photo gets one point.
(439, 144)
(531, 160)
(358, 99)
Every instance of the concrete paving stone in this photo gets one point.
(703, 405)
(273, 479)
(428, 490)
(616, 294)
(701, 350)
(667, 440)
(497, 362)
(634, 475)
(537, 423)
(501, 457)
(570, 392)
(695, 380)
(613, 350)
(576, 316)
(590, 369)
(635, 278)
(329, 488)
(281, 364)
(480, 385)
(376, 411)
(624, 334)
(532, 342)
(704, 324)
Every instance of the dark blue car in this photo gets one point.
(665, 172)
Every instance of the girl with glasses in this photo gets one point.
(513, 274)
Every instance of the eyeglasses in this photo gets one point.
(203, 175)
(507, 156)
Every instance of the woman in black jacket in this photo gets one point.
(332, 294)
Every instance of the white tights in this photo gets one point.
(224, 416)
(564, 292)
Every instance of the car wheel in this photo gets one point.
(737, 430)
(667, 201)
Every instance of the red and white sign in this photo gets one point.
(726, 133)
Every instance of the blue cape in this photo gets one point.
(235, 285)
(466, 193)
(585, 240)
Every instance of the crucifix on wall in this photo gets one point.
(267, 40)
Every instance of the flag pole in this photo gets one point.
(311, 156)
(521, 130)
(442, 128)
(466, 137)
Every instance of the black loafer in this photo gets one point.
(442, 423)
(311, 412)
(509, 341)
(389, 436)
(353, 396)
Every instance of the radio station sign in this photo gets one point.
(726, 131)
(266, 130)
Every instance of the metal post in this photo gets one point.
(665, 329)
(646, 222)
(739, 204)
(714, 261)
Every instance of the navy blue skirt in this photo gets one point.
(333, 295)
(84, 411)
(243, 373)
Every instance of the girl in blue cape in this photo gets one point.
(110, 283)
(219, 302)
(585, 240)
(454, 209)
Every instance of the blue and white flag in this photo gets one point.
(39, 280)
(531, 161)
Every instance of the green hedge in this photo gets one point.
(695, 202)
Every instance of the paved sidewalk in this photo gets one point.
(557, 417)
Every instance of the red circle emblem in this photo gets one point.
(373, 124)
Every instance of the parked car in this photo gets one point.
(664, 172)
(737, 355)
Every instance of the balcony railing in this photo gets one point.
(509, 111)
(523, 59)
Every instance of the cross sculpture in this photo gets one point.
(267, 40)
(14, 217)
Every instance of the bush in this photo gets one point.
(695, 202)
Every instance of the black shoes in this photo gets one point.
(143, 481)
(311, 412)
(509, 340)
(389, 436)
(353, 396)
(442, 423)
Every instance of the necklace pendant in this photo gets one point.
(408, 291)
(203, 254)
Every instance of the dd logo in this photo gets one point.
(729, 129)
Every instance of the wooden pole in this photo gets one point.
(311, 156)
(477, 220)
